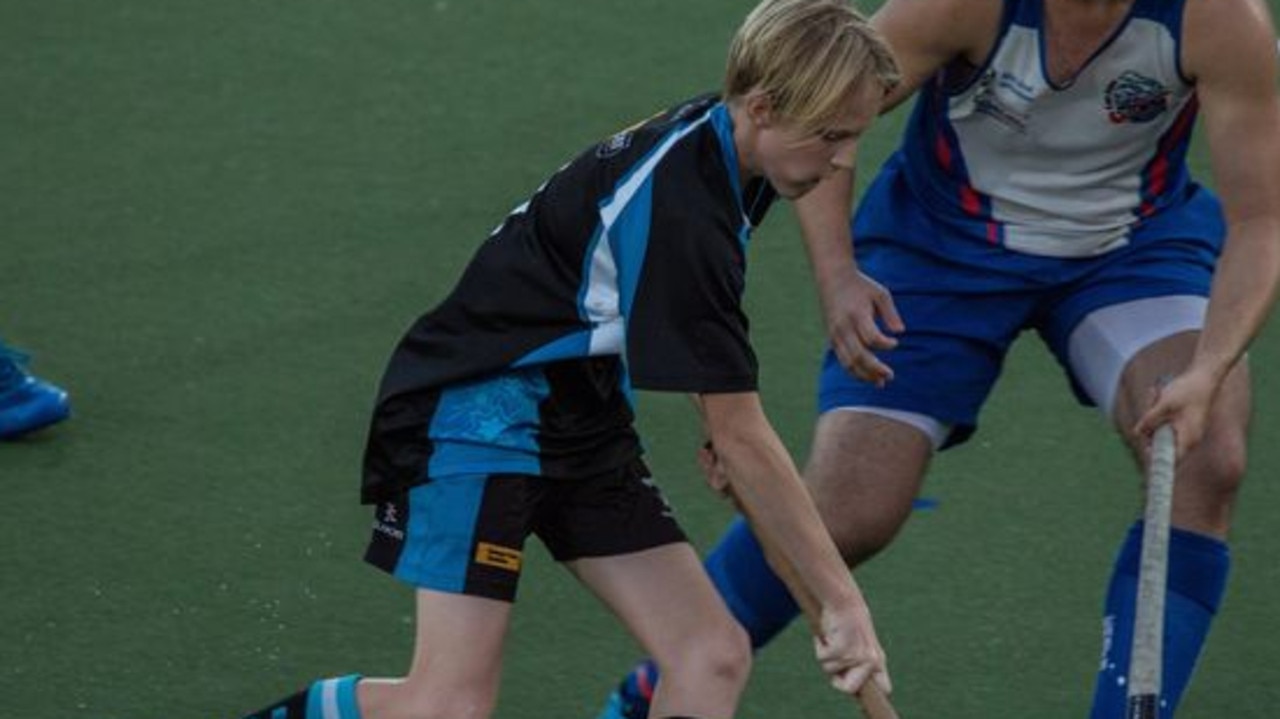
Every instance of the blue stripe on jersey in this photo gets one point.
(499, 412)
(615, 253)
(629, 240)
(1166, 174)
(940, 148)
(609, 280)
(723, 124)
(1168, 14)
(574, 345)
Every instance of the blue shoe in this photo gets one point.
(631, 699)
(27, 403)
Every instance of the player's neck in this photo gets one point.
(1075, 29)
(743, 141)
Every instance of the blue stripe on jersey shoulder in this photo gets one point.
(722, 121)
(1168, 13)
(625, 220)
(628, 248)
(1030, 13)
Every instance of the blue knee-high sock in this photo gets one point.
(325, 699)
(757, 598)
(1198, 568)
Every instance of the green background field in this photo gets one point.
(216, 218)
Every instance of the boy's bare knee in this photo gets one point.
(721, 655)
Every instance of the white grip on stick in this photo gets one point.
(1147, 655)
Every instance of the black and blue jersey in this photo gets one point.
(626, 269)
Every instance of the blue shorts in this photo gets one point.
(964, 309)
(465, 534)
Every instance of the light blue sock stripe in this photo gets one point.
(332, 699)
(315, 700)
(348, 708)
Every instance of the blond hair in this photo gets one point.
(808, 56)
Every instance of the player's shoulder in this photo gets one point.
(638, 138)
(936, 31)
(1226, 36)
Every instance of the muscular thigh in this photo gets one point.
(864, 471)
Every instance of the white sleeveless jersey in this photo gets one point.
(1066, 170)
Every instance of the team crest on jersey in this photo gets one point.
(1135, 98)
(614, 145)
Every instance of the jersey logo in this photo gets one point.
(388, 522)
(491, 555)
(614, 145)
(1135, 98)
(1003, 99)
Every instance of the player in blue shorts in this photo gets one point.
(1042, 185)
(507, 411)
(27, 403)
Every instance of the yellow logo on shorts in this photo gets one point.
(500, 557)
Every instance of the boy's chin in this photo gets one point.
(795, 190)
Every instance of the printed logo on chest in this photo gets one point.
(1134, 97)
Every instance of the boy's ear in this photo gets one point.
(759, 108)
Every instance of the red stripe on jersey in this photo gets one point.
(970, 201)
(1159, 175)
(943, 152)
(1157, 180)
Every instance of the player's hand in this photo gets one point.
(849, 652)
(860, 315)
(1184, 404)
(712, 469)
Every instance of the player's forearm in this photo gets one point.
(769, 490)
(1244, 291)
(823, 214)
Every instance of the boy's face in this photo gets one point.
(795, 160)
